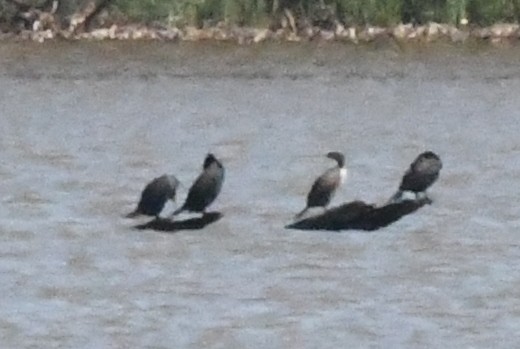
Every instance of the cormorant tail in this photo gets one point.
(300, 215)
(133, 214)
(396, 197)
(177, 211)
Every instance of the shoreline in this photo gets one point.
(431, 32)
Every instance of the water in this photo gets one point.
(86, 126)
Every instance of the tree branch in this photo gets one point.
(81, 19)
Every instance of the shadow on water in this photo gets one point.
(359, 215)
(168, 225)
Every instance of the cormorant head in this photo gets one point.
(427, 162)
(210, 159)
(174, 182)
(429, 155)
(339, 157)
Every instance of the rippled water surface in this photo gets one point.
(85, 126)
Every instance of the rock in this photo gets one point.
(99, 34)
(223, 34)
(360, 216)
(457, 35)
(41, 36)
(352, 35)
(417, 32)
(136, 33)
(327, 35)
(497, 41)
(371, 33)
(6, 36)
(446, 28)
(167, 225)
(339, 29)
(435, 30)
(123, 34)
(504, 30)
(169, 34)
(481, 33)
(195, 34)
(242, 37)
(293, 37)
(45, 21)
(26, 34)
(310, 32)
(45, 28)
(262, 35)
(402, 31)
(341, 32)
(280, 34)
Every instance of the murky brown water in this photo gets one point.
(85, 126)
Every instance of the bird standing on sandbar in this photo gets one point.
(154, 196)
(423, 172)
(206, 187)
(325, 186)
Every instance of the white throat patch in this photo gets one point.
(343, 175)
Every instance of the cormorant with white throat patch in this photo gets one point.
(325, 186)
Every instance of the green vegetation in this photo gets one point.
(195, 12)
(324, 13)
(350, 12)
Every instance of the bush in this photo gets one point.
(486, 12)
(317, 12)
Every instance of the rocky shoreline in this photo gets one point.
(244, 35)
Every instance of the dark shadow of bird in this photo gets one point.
(206, 187)
(325, 186)
(154, 196)
(359, 215)
(423, 172)
(168, 225)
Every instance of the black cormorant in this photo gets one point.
(325, 185)
(155, 195)
(423, 172)
(206, 187)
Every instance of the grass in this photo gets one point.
(350, 12)
(485, 12)
(317, 12)
(194, 12)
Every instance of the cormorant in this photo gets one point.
(423, 172)
(155, 195)
(206, 187)
(325, 185)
